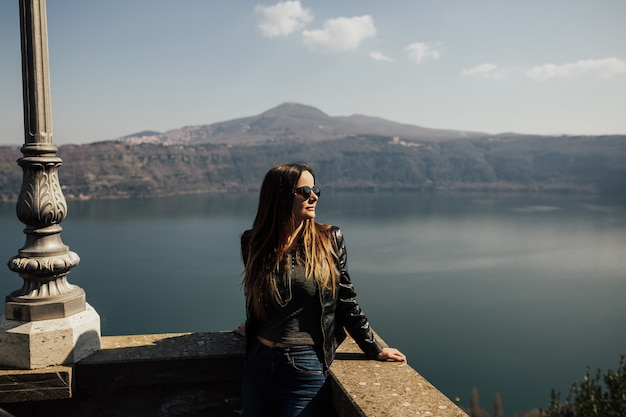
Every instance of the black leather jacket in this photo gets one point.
(340, 311)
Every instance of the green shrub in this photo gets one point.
(599, 396)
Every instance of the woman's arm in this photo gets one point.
(349, 314)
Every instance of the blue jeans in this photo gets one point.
(284, 382)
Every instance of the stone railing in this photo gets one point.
(189, 374)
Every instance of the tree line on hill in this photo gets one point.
(117, 169)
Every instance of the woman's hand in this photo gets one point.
(240, 330)
(391, 354)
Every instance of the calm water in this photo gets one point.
(515, 294)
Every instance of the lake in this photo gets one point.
(508, 293)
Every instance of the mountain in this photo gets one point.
(353, 153)
(291, 122)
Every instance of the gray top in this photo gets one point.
(297, 320)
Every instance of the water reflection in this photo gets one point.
(178, 207)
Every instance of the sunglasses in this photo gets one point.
(306, 191)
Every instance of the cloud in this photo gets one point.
(419, 51)
(486, 70)
(377, 56)
(340, 34)
(282, 18)
(597, 68)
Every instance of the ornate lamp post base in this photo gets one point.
(38, 344)
(27, 310)
(46, 293)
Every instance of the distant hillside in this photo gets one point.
(234, 156)
(292, 122)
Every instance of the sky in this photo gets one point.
(118, 67)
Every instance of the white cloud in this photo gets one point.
(377, 56)
(282, 18)
(597, 68)
(340, 34)
(486, 70)
(419, 51)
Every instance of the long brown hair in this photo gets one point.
(266, 244)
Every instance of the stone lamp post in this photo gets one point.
(47, 321)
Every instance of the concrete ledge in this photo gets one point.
(188, 374)
(364, 387)
(167, 375)
(51, 383)
(163, 359)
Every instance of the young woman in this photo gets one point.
(299, 300)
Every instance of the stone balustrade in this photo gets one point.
(193, 374)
